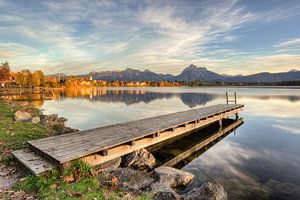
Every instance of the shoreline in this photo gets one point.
(51, 89)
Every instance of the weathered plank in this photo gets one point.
(34, 162)
(72, 146)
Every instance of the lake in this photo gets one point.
(261, 160)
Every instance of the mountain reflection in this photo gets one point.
(131, 96)
(134, 96)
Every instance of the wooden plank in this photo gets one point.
(71, 146)
(34, 162)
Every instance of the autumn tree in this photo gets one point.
(4, 71)
(24, 78)
(38, 78)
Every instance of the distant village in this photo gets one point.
(89, 82)
(28, 79)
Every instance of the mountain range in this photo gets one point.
(190, 74)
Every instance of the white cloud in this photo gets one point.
(290, 43)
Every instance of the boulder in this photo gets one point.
(22, 116)
(110, 165)
(207, 191)
(61, 121)
(161, 187)
(135, 181)
(164, 196)
(58, 129)
(141, 160)
(172, 177)
(35, 120)
(43, 118)
(51, 118)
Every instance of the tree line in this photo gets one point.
(23, 78)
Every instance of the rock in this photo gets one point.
(35, 120)
(43, 118)
(163, 196)
(161, 187)
(172, 177)
(58, 129)
(22, 116)
(61, 121)
(110, 165)
(51, 118)
(207, 191)
(141, 159)
(130, 180)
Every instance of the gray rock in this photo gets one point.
(61, 121)
(35, 120)
(141, 159)
(172, 177)
(22, 116)
(163, 196)
(161, 187)
(58, 129)
(129, 179)
(207, 191)
(110, 165)
(43, 118)
(51, 118)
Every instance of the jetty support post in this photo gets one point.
(226, 97)
(236, 116)
(235, 98)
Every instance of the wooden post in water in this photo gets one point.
(235, 98)
(220, 124)
(236, 116)
(226, 98)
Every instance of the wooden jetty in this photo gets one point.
(103, 144)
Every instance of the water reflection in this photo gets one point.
(134, 96)
(260, 162)
(192, 145)
(146, 95)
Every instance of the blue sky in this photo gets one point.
(78, 36)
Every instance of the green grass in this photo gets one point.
(14, 135)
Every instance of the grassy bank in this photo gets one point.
(80, 181)
(13, 135)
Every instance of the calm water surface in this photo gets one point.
(260, 161)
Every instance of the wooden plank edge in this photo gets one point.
(21, 160)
